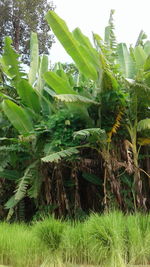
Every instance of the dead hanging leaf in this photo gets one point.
(129, 161)
(77, 202)
(143, 141)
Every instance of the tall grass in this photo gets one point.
(19, 247)
(113, 240)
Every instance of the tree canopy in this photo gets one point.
(19, 17)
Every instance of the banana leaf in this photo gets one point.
(58, 84)
(70, 44)
(125, 61)
(18, 117)
(34, 58)
(29, 96)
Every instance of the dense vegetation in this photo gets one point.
(75, 138)
(111, 240)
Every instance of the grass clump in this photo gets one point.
(108, 240)
(138, 239)
(19, 247)
(49, 232)
(74, 244)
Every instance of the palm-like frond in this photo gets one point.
(10, 63)
(70, 98)
(23, 184)
(96, 134)
(110, 38)
(21, 190)
(35, 187)
(55, 157)
(143, 125)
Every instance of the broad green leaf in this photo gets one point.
(140, 56)
(147, 48)
(125, 61)
(83, 39)
(147, 64)
(58, 84)
(85, 42)
(62, 74)
(87, 54)
(43, 67)
(29, 95)
(70, 44)
(18, 117)
(34, 58)
(10, 63)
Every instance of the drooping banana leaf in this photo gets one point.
(70, 98)
(18, 117)
(29, 96)
(70, 44)
(34, 58)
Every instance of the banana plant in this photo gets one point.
(26, 110)
(135, 66)
(127, 68)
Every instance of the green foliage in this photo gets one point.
(58, 84)
(55, 157)
(18, 117)
(34, 58)
(10, 63)
(93, 135)
(143, 125)
(106, 92)
(68, 98)
(125, 61)
(29, 96)
(79, 54)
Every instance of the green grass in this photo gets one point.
(110, 240)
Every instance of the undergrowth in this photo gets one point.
(112, 239)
